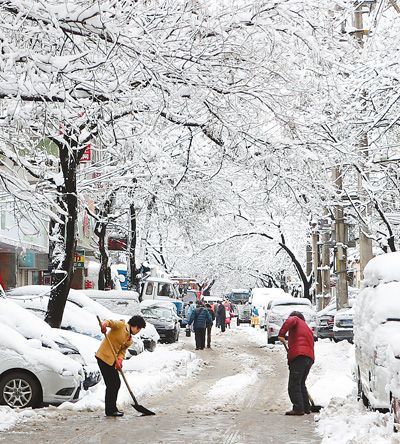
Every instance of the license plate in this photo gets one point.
(346, 321)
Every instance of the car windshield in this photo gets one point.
(157, 312)
(235, 297)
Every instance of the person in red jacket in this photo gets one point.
(300, 359)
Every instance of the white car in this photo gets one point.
(32, 327)
(31, 375)
(259, 300)
(80, 314)
(278, 311)
(377, 335)
(343, 325)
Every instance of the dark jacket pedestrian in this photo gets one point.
(200, 318)
(210, 325)
(300, 359)
(221, 316)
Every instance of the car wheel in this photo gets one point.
(19, 389)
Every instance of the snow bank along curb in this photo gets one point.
(10, 417)
(147, 374)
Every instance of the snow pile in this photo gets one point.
(331, 375)
(147, 374)
(381, 269)
(331, 384)
(9, 417)
(255, 335)
(347, 421)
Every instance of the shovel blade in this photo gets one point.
(315, 408)
(143, 410)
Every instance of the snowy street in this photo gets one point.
(237, 394)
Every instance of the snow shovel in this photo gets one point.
(313, 408)
(141, 409)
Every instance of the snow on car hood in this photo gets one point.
(26, 323)
(36, 357)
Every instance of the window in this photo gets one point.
(149, 288)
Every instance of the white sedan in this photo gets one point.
(31, 375)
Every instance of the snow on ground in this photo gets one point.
(147, 374)
(225, 390)
(331, 376)
(10, 417)
(344, 420)
(331, 384)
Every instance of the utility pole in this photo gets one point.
(365, 241)
(340, 245)
(325, 234)
(315, 259)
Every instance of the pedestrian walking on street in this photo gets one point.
(120, 337)
(210, 325)
(221, 316)
(300, 359)
(200, 318)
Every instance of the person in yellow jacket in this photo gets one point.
(120, 336)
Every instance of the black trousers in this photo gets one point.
(200, 338)
(298, 372)
(113, 383)
(209, 336)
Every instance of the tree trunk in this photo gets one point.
(133, 281)
(100, 230)
(63, 256)
(101, 234)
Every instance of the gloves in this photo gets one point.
(118, 364)
(104, 327)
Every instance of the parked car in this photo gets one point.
(278, 310)
(31, 375)
(32, 327)
(259, 299)
(125, 302)
(324, 321)
(377, 333)
(80, 314)
(162, 314)
(343, 325)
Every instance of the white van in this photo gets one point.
(377, 335)
(259, 299)
(162, 288)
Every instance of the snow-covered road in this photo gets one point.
(234, 393)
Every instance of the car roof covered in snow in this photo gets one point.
(381, 269)
(291, 301)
